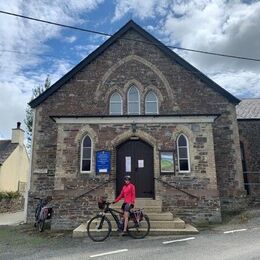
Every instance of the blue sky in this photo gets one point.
(230, 27)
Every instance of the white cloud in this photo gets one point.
(141, 9)
(239, 83)
(20, 73)
(228, 27)
(70, 39)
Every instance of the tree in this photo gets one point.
(29, 114)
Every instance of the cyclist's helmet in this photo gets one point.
(127, 178)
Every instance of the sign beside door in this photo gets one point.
(103, 161)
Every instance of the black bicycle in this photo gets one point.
(42, 212)
(100, 227)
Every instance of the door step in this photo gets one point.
(81, 231)
(149, 205)
(162, 223)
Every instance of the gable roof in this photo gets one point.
(131, 25)
(248, 109)
(6, 148)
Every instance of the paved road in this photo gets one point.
(232, 241)
(242, 244)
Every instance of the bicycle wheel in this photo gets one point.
(99, 228)
(139, 230)
(41, 225)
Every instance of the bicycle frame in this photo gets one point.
(113, 212)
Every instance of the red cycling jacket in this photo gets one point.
(128, 193)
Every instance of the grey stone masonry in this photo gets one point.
(215, 177)
(249, 131)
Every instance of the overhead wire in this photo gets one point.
(125, 38)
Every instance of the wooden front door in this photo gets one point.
(135, 158)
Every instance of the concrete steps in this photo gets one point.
(81, 231)
(162, 223)
(149, 205)
(153, 216)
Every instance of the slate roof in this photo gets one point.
(248, 109)
(6, 148)
(132, 25)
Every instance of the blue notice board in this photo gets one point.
(103, 161)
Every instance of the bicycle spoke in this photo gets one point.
(99, 228)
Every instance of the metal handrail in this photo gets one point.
(89, 191)
(164, 182)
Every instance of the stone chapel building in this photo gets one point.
(135, 107)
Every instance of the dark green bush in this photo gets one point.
(9, 195)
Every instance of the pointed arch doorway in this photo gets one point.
(135, 158)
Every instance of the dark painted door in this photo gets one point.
(135, 158)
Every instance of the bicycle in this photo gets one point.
(99, 227)
(42, 212)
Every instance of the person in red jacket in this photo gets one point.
(128, 194)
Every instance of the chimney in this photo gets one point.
(17, 134)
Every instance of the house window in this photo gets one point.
(86, 154)
(183, 153)
(151, 103)
(115, 105)
(133, 98)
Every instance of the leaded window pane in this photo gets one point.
(184, 165)
(115, 104)
(182, 141)
(85, 165)
(151, 108)
(133, 95)
(183, 153)
(133, 101)
(87, 142)
(116, 98)
(151, 97)
(86, 153)
(115, 109)
(133, 108)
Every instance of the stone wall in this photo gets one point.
(216, 165)
(8, 205)
(249, 131)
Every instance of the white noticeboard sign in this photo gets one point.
(128, 164)
(140, 163)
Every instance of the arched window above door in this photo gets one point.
(183, 153)
(133, 101)
(115, 104)
(151, 103)
(86, 155)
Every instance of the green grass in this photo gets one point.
(9, 195)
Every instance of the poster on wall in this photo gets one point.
(167, 162)
(128, 163)
(103, 161)
(140, 163)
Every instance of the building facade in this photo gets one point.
(14, 162)
(144, 110)
(248, 116)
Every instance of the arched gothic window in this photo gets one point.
(115, 104)
(183, 153)
(86, 155)
(151, 103)
(133, 101)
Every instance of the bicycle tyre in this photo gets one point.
(41, 225)
(141, 230)
(96, 232)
